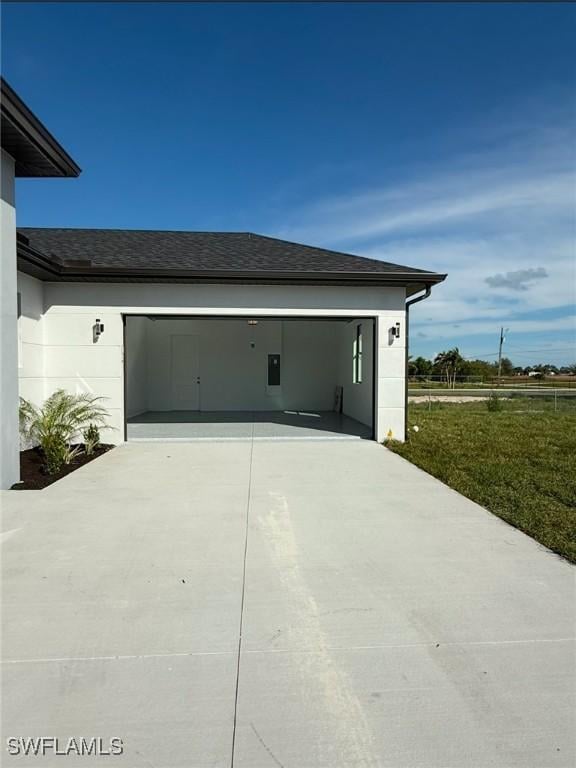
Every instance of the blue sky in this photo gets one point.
(437, 135)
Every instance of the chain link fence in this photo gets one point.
(481, 382)
(494, 398)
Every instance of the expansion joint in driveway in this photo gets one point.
(248, 495)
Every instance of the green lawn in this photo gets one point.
(520, 463)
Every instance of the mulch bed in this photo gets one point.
(33, 472)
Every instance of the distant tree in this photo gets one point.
(420, 367)
(442, 365)
(449, 363)
(507, 366)
(477, 368)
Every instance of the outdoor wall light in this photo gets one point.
(97, 329)
(252, 322)
(395, 331)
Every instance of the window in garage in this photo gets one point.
(357, 356)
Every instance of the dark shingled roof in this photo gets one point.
(222, 252)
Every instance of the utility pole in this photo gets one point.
(502, 340)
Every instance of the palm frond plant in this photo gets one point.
(54, 426)
(26, 415)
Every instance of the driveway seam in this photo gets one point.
(294, 651)
(248, 497)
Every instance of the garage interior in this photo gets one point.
(191, 378)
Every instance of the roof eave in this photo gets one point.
(46, 268)
(32, 137)
(35, 263)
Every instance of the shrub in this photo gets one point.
(91, 437)
(494, 402)
(57, 452)
(62, 418)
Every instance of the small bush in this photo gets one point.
(57, 452)
(91, 437)
(62, 418)
(494, 402)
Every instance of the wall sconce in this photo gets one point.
(97, 330)
(395, 331)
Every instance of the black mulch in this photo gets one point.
(33, 470)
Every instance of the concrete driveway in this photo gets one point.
(293, 604)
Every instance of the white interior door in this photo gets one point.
(185, 373)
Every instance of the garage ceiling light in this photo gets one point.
(252, 322)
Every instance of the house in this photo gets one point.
(204, 322)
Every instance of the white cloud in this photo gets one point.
(483, 198)
(465, 296)
(500, 222)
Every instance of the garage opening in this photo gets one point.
(192, 378)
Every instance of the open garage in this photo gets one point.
(236, 377)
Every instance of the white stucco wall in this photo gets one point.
(357, 397)
(311, 352)
(9, 433)
(225, 355)
(73, 360)
(391, 365)
(31, 338)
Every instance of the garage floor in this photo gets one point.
(243, 425)
(302, 604)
